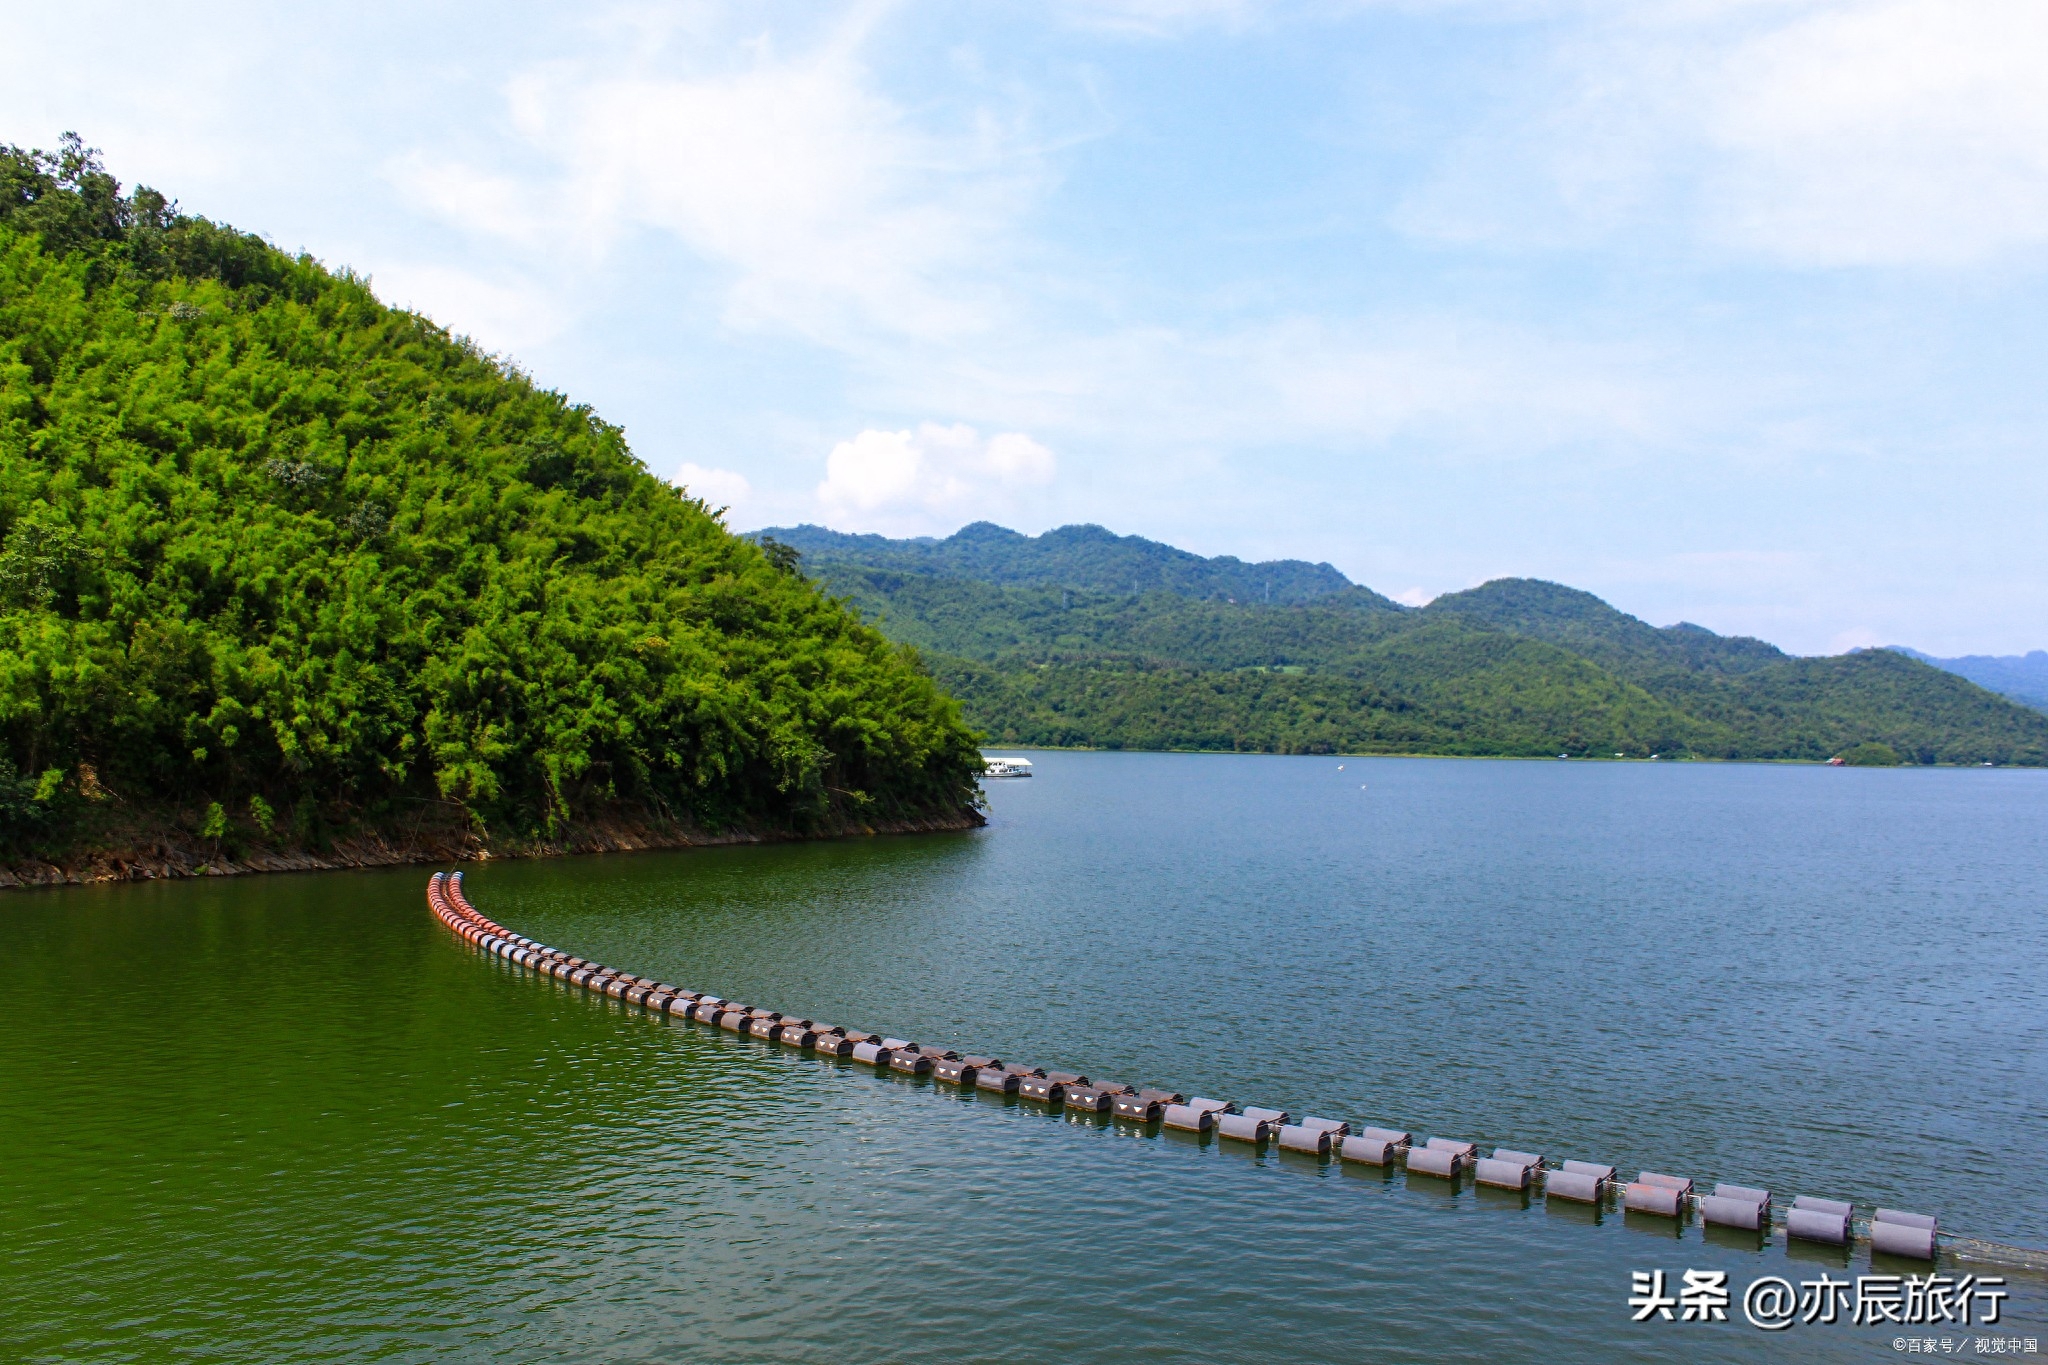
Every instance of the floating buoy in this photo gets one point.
(1088, 1099)
(996, 1079)
(1299, 1137)
(1574, 1185)
(1243, 1127)
(1902, 1234)
(1737, 1206)
(910, 1061)
(1372, 1151)
(1662, 1200)
(1723, 1211)
(1447, 1163)
(1138, 1108)
(1819, 1220)
(1892, 1232)
(1044, 1089)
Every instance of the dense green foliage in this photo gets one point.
(1085, 557)
(1774, 705)
(2023, 677)
(1514, 667)
(267, 543)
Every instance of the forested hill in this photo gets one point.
(281, 566)
(2023, 677)
(1077, 557)
(1044, 646)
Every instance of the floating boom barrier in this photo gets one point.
(1744, 1208)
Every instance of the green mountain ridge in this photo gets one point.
(1088, 557)
(2023, 677)
(1515, 666)
(280, 564)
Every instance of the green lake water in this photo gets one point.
(292, 1118)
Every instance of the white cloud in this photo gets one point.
(831, 210)
(718, 487)
(1160, 16)
(1881, 133)
(1813, 132)
(502, 315)
(896, 237)
(933, 477)
(1364, 386)
(479, 201)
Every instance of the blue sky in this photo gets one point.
(1728, 310)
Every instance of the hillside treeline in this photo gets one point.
(1035, 637)
(277, 560)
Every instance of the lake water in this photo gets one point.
(292, 1118)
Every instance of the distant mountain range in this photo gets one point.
(2023, 677)
(1083, 637)
(1077, 557)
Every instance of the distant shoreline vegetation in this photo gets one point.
(1081, 638)
(1348, 754)
(286, 572)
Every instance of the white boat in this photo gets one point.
(1007, 767)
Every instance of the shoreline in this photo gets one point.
(171, 857)
(1505, 758)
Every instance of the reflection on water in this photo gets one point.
(292, 1118)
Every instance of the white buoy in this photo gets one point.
(1373, 1151)
(1442, 1162)
(1818, 1220)
(1576, 1185)
(1903, 1234)
(1301, 1138)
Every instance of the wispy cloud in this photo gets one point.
(1845, 132)
(832, 211)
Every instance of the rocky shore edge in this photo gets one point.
(152, 858)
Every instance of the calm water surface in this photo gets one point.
(293, 1119)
